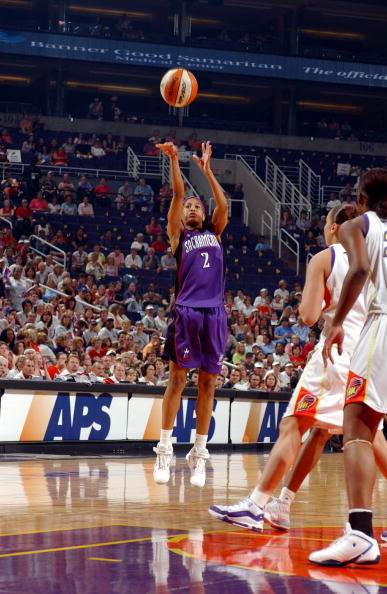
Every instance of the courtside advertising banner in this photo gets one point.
(62, 416)
(145, 420)
(256, 422)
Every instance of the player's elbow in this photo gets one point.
(307, 316)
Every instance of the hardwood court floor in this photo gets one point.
(101, 526)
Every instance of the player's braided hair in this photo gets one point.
(373, 186)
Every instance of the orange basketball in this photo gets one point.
(179, 87)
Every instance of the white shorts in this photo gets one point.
(320, 392)
(367, 378)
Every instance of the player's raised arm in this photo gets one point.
(176, 207)
(313, 294)
(220, 214)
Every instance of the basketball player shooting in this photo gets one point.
(197, 336)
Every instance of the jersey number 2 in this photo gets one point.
(206, 263)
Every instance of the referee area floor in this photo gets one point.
(101, 525)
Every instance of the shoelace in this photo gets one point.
(283, 507)
(163, 461)
(338, 540)
(200, 466)
(237, 506)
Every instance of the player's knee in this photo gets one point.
(177, 381)
(321, 435)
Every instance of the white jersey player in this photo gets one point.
(318, 399)
(365, 240)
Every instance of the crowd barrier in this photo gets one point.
(47, 412)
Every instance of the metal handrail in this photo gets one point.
(285, 192)
(271, 196)
(116, 174)
(166, 176)
(245, 218)
(326, 190)
(91, 305)
(7, 221)
(251, 160)
(286, 239)
(133, 163)
(268, 223)
(309, 182)
(53, 247)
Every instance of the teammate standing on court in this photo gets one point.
(318, 398)
(365, 240)
(198, 333)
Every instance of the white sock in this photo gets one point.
(287, 496)
(200, 441)
(166, 437)
(259, 497)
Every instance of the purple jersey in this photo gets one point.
(200, 269)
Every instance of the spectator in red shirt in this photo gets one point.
(153, 227)
(309, 346)
(23, 211)
(39, 203)
(159, 245)
(59, 157)
(6, 137)
(296, 356)
(8, 239)
(102, 193)
(7, 210)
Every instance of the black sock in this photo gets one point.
(362, 521)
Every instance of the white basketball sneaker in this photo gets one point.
(353, 547)
(161, 469)
(245, 514)
(277, 514)
(196, 460)
(383, 536)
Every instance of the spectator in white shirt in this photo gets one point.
(16, 288)
(97, 150)
(85, 209)
(168, 261)
(119, 258)
(282, 290)
(79, 259)
(261, 298)
(133, 260)
(27, 371)
(285, 376)
(108, 331)
(118, 374)
(139, 244)
(4, 371)
(161, 322)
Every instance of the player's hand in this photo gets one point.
(168, 148)
(335, 336)
(205, 162)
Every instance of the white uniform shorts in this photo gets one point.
(320, 392)
(367, 378)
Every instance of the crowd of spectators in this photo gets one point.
(86, 333)
(94, 320)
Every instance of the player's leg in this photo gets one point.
(358, 544)
(249, 512)
(380, 451)
(277, 511)
(198, 455)
(171, 402)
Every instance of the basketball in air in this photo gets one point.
(179, 87)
